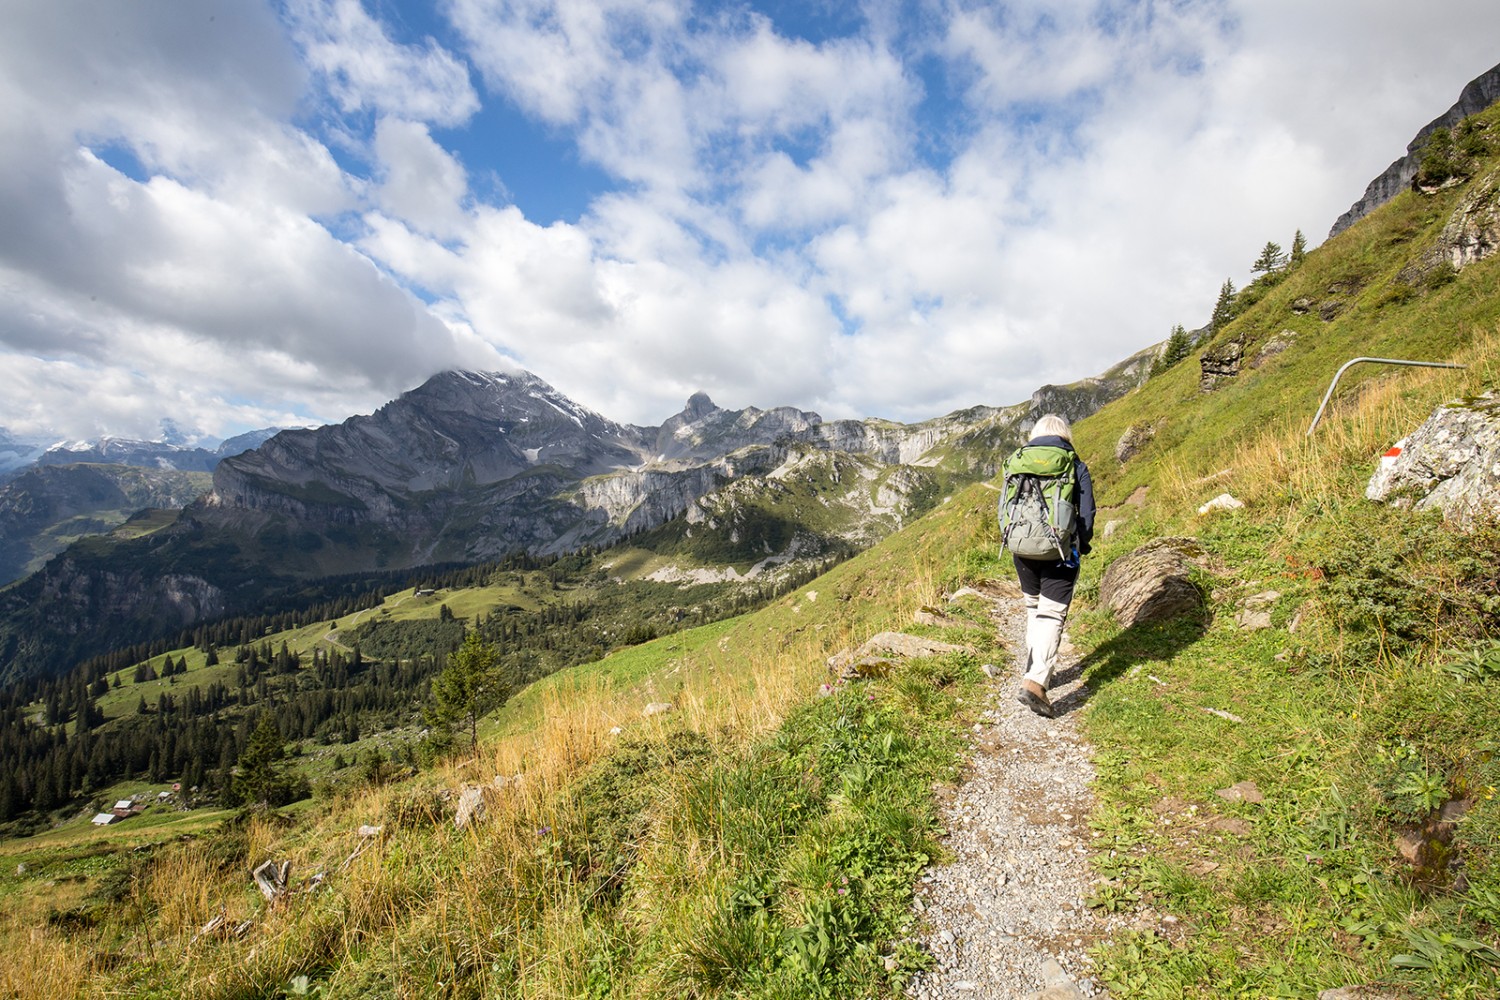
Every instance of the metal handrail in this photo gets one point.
(1383, 361)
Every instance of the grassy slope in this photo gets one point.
(703, 851)
(831, 789)
(1350, 726)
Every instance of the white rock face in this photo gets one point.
(1451, 464)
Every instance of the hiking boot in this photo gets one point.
(1034, 698)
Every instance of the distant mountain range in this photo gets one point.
(51, 497)
(473, 466)
(19, 454)
(153, 454)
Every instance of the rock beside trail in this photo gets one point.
(1358, 993)
(1255, 613)
(476, 801)
(1153, 583)
(1450, 464)
(1224, 501)
(876, 653)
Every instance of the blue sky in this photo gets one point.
(245, 213)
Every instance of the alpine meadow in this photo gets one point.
(618, 764)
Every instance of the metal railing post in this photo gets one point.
(1382, 361)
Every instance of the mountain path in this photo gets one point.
(1007, 919)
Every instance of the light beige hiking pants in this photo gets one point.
(1044, 625)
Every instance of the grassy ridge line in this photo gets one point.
(829, 789)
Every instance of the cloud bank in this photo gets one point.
(258, 213)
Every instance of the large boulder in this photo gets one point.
(1450, 464)
(1153, 583)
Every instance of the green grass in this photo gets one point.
(762, 838)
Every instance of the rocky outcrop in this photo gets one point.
(1219, 363)
(1153, 583)
(1479, 94)
(642, 499)
(1450, 464)
(1473, 231)
(703, 432)
(1471, 234)
(1274, 346)
(1136, 437)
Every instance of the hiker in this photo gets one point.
(1053, 534)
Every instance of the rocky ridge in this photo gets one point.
(470, 465)
(1479, 94)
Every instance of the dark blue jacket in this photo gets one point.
(1085, 490)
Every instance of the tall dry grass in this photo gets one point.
(42, 962)
(1284, 462)
(422, 903)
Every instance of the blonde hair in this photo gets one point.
(1053, 425)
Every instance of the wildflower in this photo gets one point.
(542, 831)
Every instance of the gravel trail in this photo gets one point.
(1006, 920)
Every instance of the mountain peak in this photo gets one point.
(698, 406)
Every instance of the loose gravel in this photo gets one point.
(1007, 919)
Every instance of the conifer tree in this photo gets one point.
(1223, 308)
(1299, 248)
(261, 778)
(1177, 347)
(1270, 260)
(471, 685)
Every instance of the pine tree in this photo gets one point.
(1270, 260)
(1177, 347)
(1223, 308)
(1299, 248)
(260, 778)
(471, 685)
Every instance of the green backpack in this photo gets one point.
(1039, 502)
